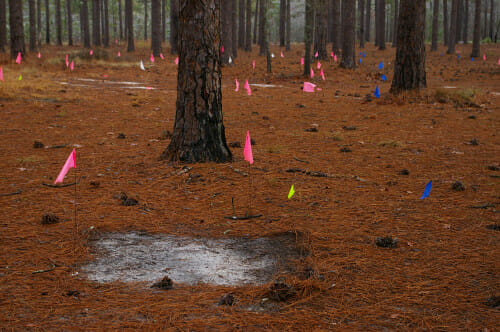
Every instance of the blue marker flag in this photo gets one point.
(377, 92)
(383, 77)
(381, 65)
(364, 54)
(441, 53)
(359, 60)
(427, 190)
(458, 56)
(472, 59)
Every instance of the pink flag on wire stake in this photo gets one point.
(119, 54)
(302, 61)
(72, 66)
(331, 54)
(253, 64)
(91, 52)
(282, 54)
(318, 65)
(316, 54)
(161, 56)
(312, 73)
(484, 57)
(1, 73)
(237, 85)
(247, 151)
(308, 87)
(322, 74)
(247, 87)
(67, 61)
(152, 58)
(177, 60)
(70, 163)
(335, 58)
(19, 58)
(39, 55)
(222, 49)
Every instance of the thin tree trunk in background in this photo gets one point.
(32, 18)
(265, 41)
(381, 25)
(47, 22)
(227, 37)
(96, 23)
(3, 25)
(308, 37)
(445, 22)
(361, 6)
(163, 21)
(321, 29)
(435, 21)
(287, 30)
(156, 27)
(241, 23)
(120, 19)
(16, 28)
(248, 28)
(336, 26)
(492, 20)
(485, 19)
(105, 26)
(145, 19)
(85, 24)
(262, 27)
(377, 20)
(368, 14)
(70, 22)
(58, 23)
(174, 26)
(256, 19)
(282, 17)
(348, 43)
(458, 30)
(199, 133)
(465, 32)
(409, 67)
(129, 25)
(38, 22)
(476, 38)
(234, 29)
(395, 28)
(453, 26)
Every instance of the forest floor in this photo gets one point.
(358, 164)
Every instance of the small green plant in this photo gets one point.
(28, 159)
(337, 137)
(391, 144)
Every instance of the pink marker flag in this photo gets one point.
(70, 163)
(91, 52)
(152, 58)
(335, 58)
(331, 54)
(222, 49)
(322, 74)
(1, 73)
(72, 66)
(282, 54)
(67, 61)
(39, 55)
(161, 56)
(312, 73)
(302, 61)
(119, 54)
(247, 151)
(308, 87)
(499, 61)
(19, 58)
(246, 86)
(316, 54)
(318, 65)
(177, 60)
(116, 41)
(484, 57)
(237, 85)
(253, 64)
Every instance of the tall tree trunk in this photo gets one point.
(368, 15)
(476, 39)
(321, 28)
(348, 21)
(395, 28)
(248, 29)
(435, 21)
(381, 25)
(47, 22)
(234, 29)
(255, 21)
(361, 6)
(241, 24)
(453, 26)
(465, 32)
(409, 67)
(282, 22)
(70, 22)
(120, 19)
(174, 26)
(163, 21)
(308, 27)
(156, 27)
(446, 26)
(227, 37)
(16, 28)
(105, 27)
(145, 19)
(199, 133)
(129, 25)
(3, 26)
(58, 22)
(492, 20)
(32, 15)
(85, 23)
(96, 23)
(262, 27)
(336, 26)
(485, 19)
(38, 22)
(459, 21)
(377, 20)
(288, 22)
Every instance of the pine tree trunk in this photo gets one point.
(38, 22)
(409, 67)
(321, 28)
(485, 19)
(3, 25)
(255, 21)
(156, 27)
(465, 32)
(105, 27)
(446, 26)
(395, 28)
(377, 20)
(459, 21)
(492, 11)
(96, 23)
(47, 22)
(435, 22)
(58, 22)
(262, 27)
(476, 39)
(453, 28)
(129, 25)
(368, 15)
(336, 26)
(227, 37)
(282, 22)
(348, 43)
(248, 30)
(381, 25)
(174, 26)
(241, 24)
(163, 21)
(70, 22)
(287, 30)
(16, 28)
(199, 133)
(308, 37)
(234, 29)
(145, 19)
(85, 23)
(361, 6)
(120, 19)
(32, 16)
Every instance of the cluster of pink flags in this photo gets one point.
(246, 87)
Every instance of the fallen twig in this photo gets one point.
(244, 217)
(12, 194)
(302, 161)
(237, 171)
(62, 185)
(485, 206)
(56, 146)
(43, 271)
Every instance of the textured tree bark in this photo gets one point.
(435, 21)
(58, 23)
(234, 29)
(174, 26)
(308, 37)
(163, 21)
(85, 24)
(381, 25)
(336, 26)
(348, 21)
(248, 30)
(361, 6)
(255, 21)
(287, 30)
(120, 19)
(459, 21)
(465, 32)
(262, 26)
(32, 15)
(368, 14)
(282, 22)
(16, 28)
(70, 22)
(145, 19)
(241, 24)
(492, 18)
(105, 27)
(47, 22)
(321, 29)
(409, 68)
(453, 28)
(227, 37)
(477, 29)
(395, 29)
(38, 22)
(377, 20)
(446, 26)
(129, 25)
(96, 23)
(199, 134)
(3, 25)
(156, 27)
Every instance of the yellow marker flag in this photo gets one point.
(291, 192)
(20, 77)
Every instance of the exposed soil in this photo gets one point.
(119, 118)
